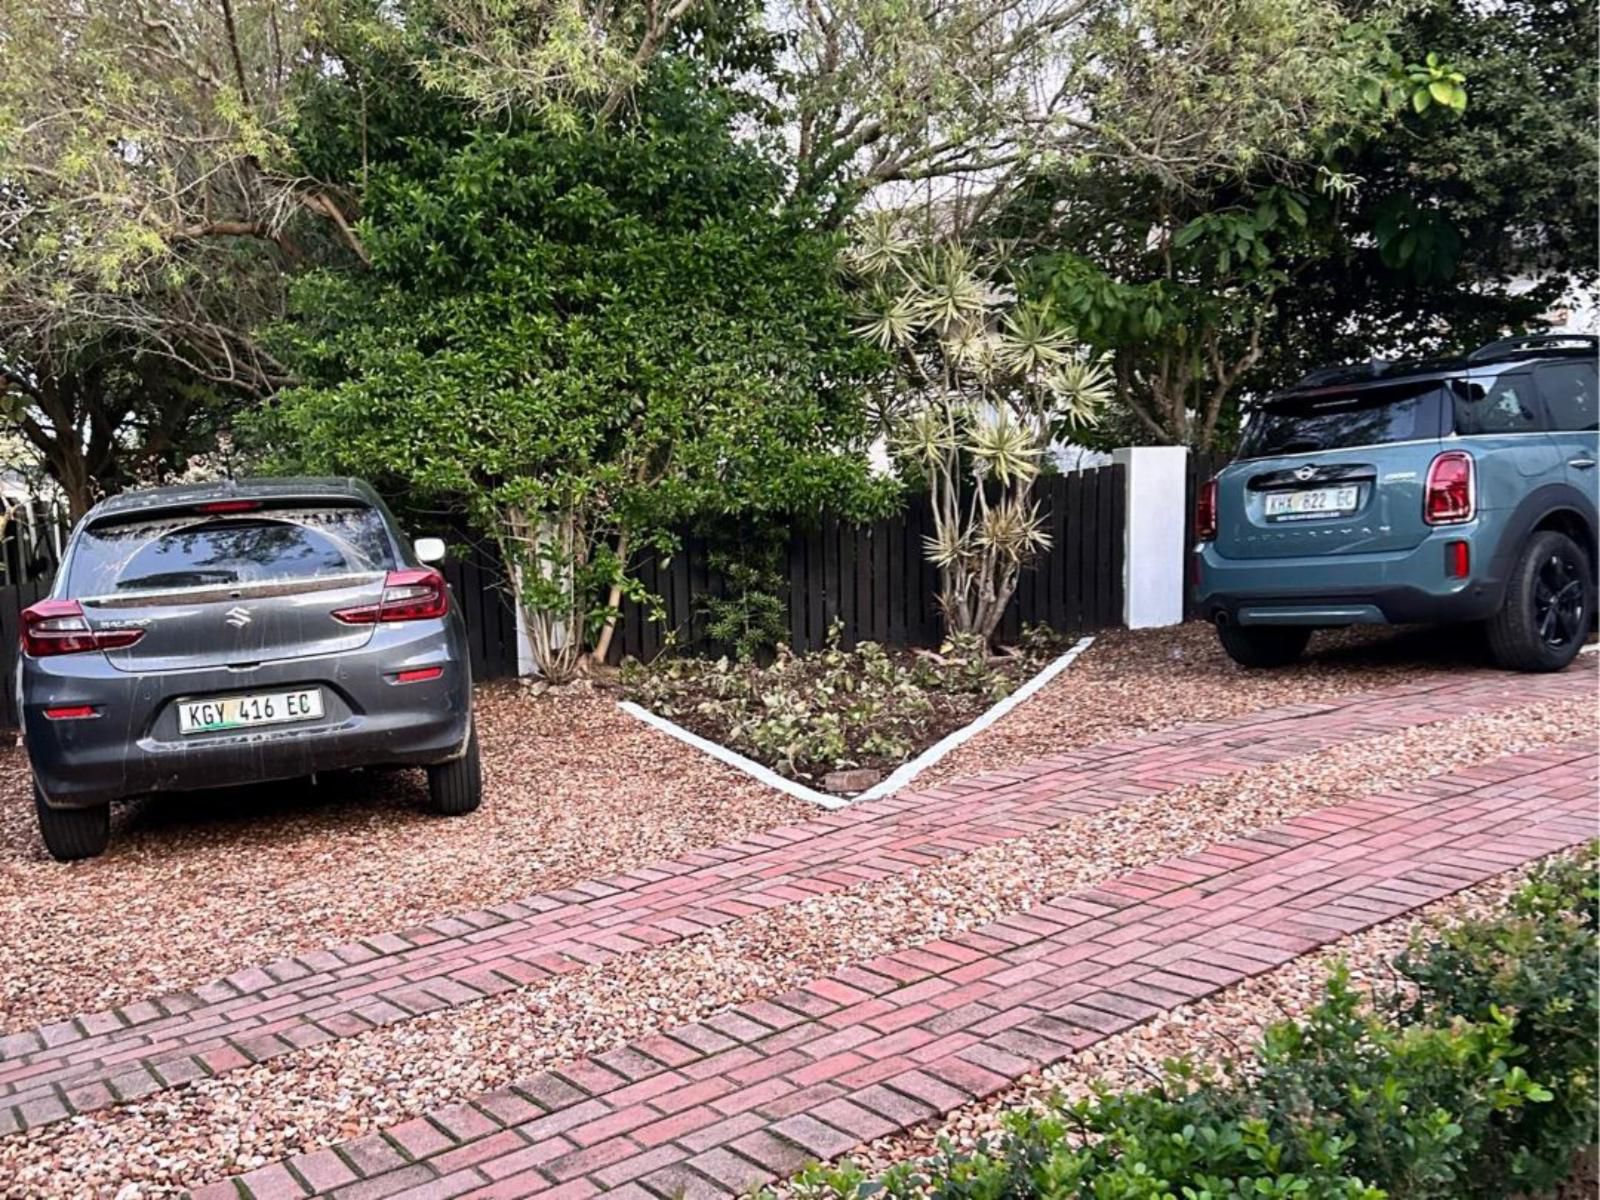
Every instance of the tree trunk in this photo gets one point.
(547, 607)
(602, 646)
(70, 469)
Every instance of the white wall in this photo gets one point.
(1153, 579)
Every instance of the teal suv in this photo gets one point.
(1453, 491)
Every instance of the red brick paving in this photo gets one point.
(712, 1108)
(260, 1012)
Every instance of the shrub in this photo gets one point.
(1535, 970)
(807, 714)
(750, 617)
(1479, 1082)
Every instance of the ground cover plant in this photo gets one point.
(1474, 1077)
(865, 707)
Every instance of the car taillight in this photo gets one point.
(228, 506)
(1451, 496)
(414, 594)
(53, 627)
(1205, 512)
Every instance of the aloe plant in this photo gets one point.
(984, 381)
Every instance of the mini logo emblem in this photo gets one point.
(1304, 473)
(238, 616)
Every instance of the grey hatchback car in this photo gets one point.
(1459, 491)
(234, 633)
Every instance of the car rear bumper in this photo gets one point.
(1391, 588)
(133, 747)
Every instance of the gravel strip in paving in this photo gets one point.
(1136, 681)
(194, 887)
(341, 1089)
(1210, 1031)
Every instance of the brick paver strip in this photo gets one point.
(711, 1108)
(260, 1012)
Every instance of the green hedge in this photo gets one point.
(1477, 1079)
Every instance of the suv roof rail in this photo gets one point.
(1348, 373)
(1506, 347)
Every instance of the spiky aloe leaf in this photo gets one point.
(1002, 448)
(1033, 342)
(891, 321)
(1083, 388)
(1013, 531)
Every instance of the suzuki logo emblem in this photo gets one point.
(1304, 473)
(238, 616)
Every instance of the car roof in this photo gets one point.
(1381, 373)
(344, 488)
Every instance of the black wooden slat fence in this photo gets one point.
(32, 535)
(14, 597)
(875, 579)
(478, 586)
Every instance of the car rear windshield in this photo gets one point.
(190, 551)
(1343, 421)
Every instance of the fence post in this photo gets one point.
(1154, 477)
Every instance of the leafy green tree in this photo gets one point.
(110, 414)
(1182, 280)
(585, 338)
(155, 198)
(1454, 220)
(1178, 288)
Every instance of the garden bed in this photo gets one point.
(838, 719)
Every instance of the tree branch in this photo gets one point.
(251, 229)
(233, 47)
(320, 202)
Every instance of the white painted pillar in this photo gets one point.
(1152, 571)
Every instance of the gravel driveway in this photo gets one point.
(1134, 681)
(196, 886)
(578, 790)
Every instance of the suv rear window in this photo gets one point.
(192, 551)
(1342, 421)
(1500, 405)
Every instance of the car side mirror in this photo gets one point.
(429, 550)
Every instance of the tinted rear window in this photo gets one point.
(1570, 396)
(196, 552)
(1500, 405)
(1332, 421)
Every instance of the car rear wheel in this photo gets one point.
(1263, 645)
(1548, 606)
(456, 787)
(72, 833)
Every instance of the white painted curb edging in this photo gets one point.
(901, 776)
(906, 772)
(733, 759)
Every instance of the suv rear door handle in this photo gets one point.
(1581, 463)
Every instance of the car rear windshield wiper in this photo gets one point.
(178, 579)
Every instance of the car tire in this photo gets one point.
(1548, 606)
(456, 787)
(1261, 646)
(72, 833)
